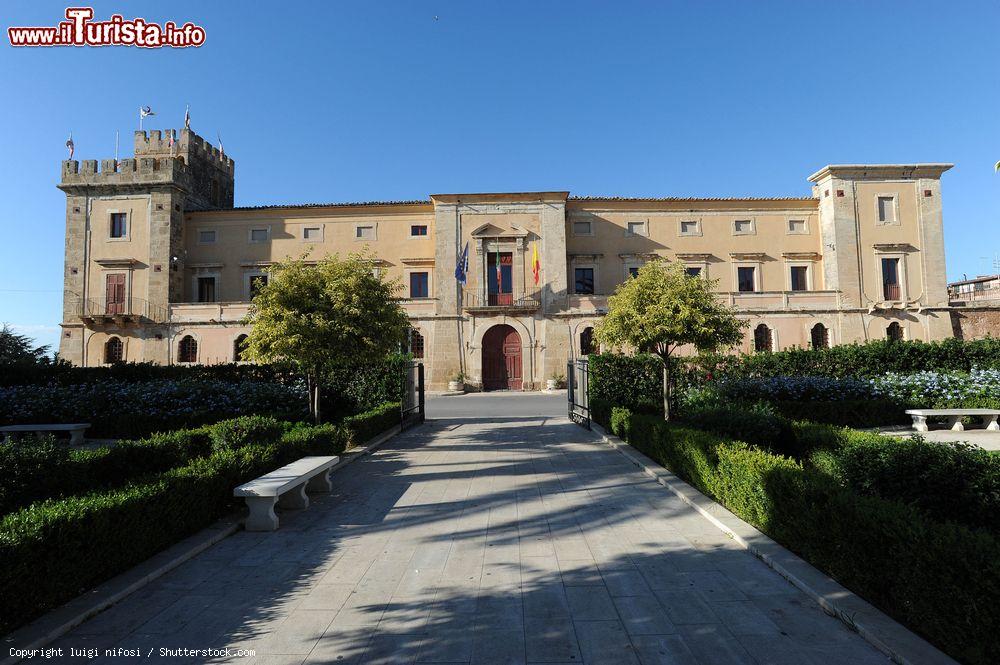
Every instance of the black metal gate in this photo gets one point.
(578, 391)
(412, 403)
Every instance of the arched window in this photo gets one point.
(587, 341)
(820, 337)
(239, 345)
(762, 339)
(894, 333)
(415, 343)
(187, 350)
(114, 350)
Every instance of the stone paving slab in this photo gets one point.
(491, 541)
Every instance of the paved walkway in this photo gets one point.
(483, 542)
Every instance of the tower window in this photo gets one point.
(418, 230)
(113, 350)
(187, 350)
(119, 225)
(887, 209)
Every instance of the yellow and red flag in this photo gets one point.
(535, 266)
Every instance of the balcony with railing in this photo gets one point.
(120, 312)
(891, 291)
(474, 300)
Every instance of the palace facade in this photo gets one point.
(160, 265)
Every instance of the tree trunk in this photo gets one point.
(667, 388)
(312, 387)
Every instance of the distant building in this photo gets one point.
(161, 267)
(984, 287)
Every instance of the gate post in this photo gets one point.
(420, 388)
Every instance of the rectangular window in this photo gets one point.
(637, 228)
(312, 233)
(745, 279)
(887, 209)
(206, 289)
(206, 237)
(582, 228)
(742, 227)
(693, 271)
(256, 282)
(259, 235)
(890, 279)
(799, 275)
(119, 227)
(796, 226)
(584, 282)
(418, 230)
(419, 285)
(633, 271)
(689, 228)
(364, 232)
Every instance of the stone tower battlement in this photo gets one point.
(191, 164)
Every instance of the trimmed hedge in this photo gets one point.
(630, 381)
(63, 373)
(366, 426)
(846, 413)
(81, 541)
(938, 578)
(857, 360)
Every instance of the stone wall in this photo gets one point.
(976, 322)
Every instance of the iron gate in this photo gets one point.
(578, 391)
(412, 403)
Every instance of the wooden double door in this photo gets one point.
(502, 359)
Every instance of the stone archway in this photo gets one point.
(502, 362)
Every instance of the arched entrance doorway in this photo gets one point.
(502, 359)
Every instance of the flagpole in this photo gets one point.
(140, 118)
(116, 147)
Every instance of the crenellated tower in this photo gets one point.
(125, 238)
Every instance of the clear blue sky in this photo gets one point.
(339, 101)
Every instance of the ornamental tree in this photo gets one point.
(319, 315)
(662, 308)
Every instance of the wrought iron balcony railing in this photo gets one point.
(519, 300)
(891, 291)
(100, 310)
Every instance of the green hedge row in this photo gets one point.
(857, 360)
(64, 373)
(81, 541)
(937, 578)
(369, 424)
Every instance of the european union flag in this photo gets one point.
(462, 267)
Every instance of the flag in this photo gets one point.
(499, 275)
(145, 111)
(70, 145)
(462, 266)
(187, 117)
(170, 139)
(535, 266)
(222, 151)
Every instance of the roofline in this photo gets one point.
(686, 199)
(314, 206)
(917, 170)
(974, 280)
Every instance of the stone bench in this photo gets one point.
(75, 430)
(285, 487)
(954, 417)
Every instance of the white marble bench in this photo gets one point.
(954, 417)
(75, 430)
(285, 487)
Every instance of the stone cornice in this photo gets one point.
(880, 171)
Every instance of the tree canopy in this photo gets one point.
(17, 349)
(662, 308)
(319, 315)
